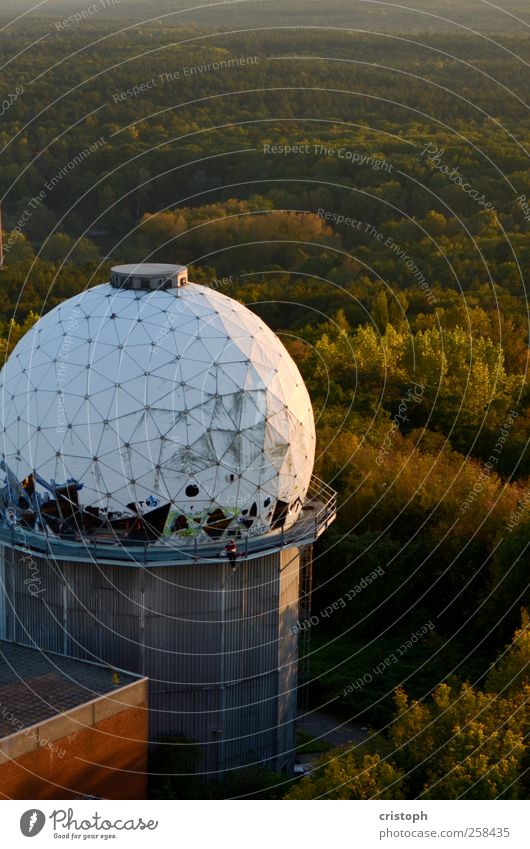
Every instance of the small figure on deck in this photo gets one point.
(231, 553)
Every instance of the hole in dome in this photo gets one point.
(180, 524)
(192, 490)
(216, 523)
(280, 514)
(266, 502)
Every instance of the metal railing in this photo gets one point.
(318, 512)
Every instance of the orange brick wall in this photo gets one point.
(94, 763)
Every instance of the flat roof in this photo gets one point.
(149, 269)
(36, 685)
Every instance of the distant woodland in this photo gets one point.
(391, 254)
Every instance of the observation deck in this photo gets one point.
(318, 512)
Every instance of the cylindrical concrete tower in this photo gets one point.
(158, 444)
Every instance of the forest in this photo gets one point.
(368, 195)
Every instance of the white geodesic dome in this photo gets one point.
(177, 395)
